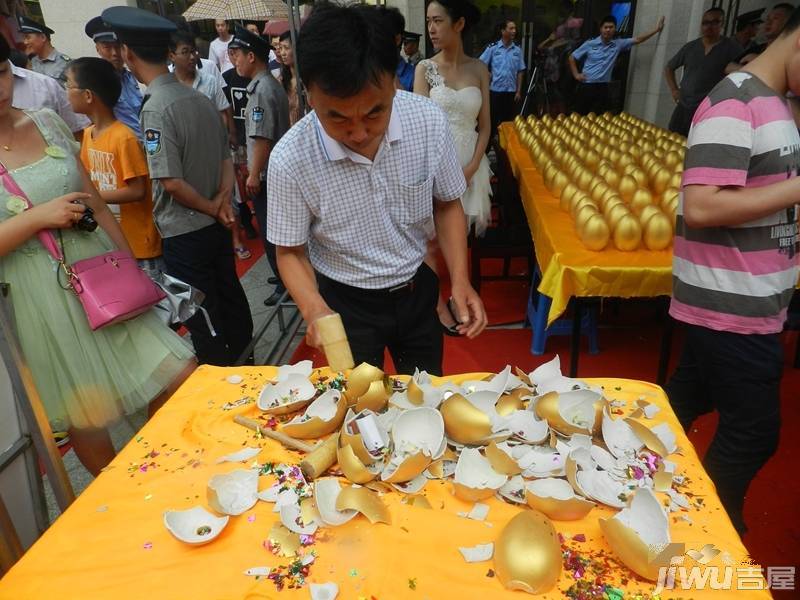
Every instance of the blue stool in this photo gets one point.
(539, 308)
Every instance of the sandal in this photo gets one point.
(242, 252)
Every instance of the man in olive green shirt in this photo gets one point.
(192, 171)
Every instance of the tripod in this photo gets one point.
(538, 87)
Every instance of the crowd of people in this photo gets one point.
(359, 178)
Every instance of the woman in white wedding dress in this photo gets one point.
(460, 85)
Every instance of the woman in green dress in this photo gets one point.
(86, 379)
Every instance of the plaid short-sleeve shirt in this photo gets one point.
(366, 222)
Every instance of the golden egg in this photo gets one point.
(614, 155)
(595, 233)
(675, 181)
(566, 195)
(599, 191)
(668, 194)
(657, 232)
(584, 179)
(660, 181)
(610, 200)
(624, 160)
(672, 158)
(614, 213)
(671, 206)
(592, 158)
(527, 554)
(640, 177)
(627, 187)
(578, 202)
(583, 214)
(612, 178)
(641, 198)
(627, 233)
(559, 181)
(646, 213)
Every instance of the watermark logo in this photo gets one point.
(675, 573)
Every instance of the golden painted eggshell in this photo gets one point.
(583, 215)
(627, 187)
(658, 232)
(578, 202)
(614, 214)
(595, 233)
(527, 554)
(567, 194)
(646, 213)
(627, 233)
(464, 422)
(641, 199)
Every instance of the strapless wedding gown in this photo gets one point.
(462, 108)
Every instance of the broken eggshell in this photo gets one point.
(352, 466)
(660, 439)
(376, 397)
(619, 436)
(359, 380)
(638, 533)
(365, 501)
(527, 555)
(547, 377)
(513, 490)
(501, 458)
(578, 411)
(303, 368)
(356, 440)
(323, 415)
(474, 478)
(195, 526)
(524, 426)
(326, 492)
(290, 395)
(233, 493)
(556, 499)
(472, 419)
(418, 438)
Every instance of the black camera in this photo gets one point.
(86, 222)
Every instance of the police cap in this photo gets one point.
(100, 31)
(250, 42)
(137, 27)
(410, 36)
(27, 25)
(749, 18)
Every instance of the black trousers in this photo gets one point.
(681, 119)
(591, 97)
(260, 208)
(739, 376)
(502, 108)
(204, 259)
(403, 320)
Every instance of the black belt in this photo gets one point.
(407, 287)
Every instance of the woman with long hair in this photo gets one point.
(460, 85)
(86, 379)
(289, 76)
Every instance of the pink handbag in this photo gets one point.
(111, 287)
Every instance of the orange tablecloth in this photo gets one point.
(111, 543)
(568, 268)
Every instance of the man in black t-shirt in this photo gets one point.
(236, 93)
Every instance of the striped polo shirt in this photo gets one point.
(738, 279)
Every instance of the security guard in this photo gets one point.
(410, 52)
(192, 171)
(266, 119)
(106, 44)
(46, 59)
(507, 67)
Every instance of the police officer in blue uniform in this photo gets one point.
(191, 166)
(106, 44)
(506, 65)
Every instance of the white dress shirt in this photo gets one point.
(366, 222)
(33, 91)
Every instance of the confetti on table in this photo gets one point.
(148, 545)
(353, 572)
(102, 508)
(251, 518)
(412, 583)
(148, 496)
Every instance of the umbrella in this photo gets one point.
(278, 27)
(251, 10)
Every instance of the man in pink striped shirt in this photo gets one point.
(735, 264)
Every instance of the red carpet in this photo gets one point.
(632, 352)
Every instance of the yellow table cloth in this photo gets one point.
(568, 268)
(111, 543)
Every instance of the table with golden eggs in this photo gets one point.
(491, 485)
(600, 195)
